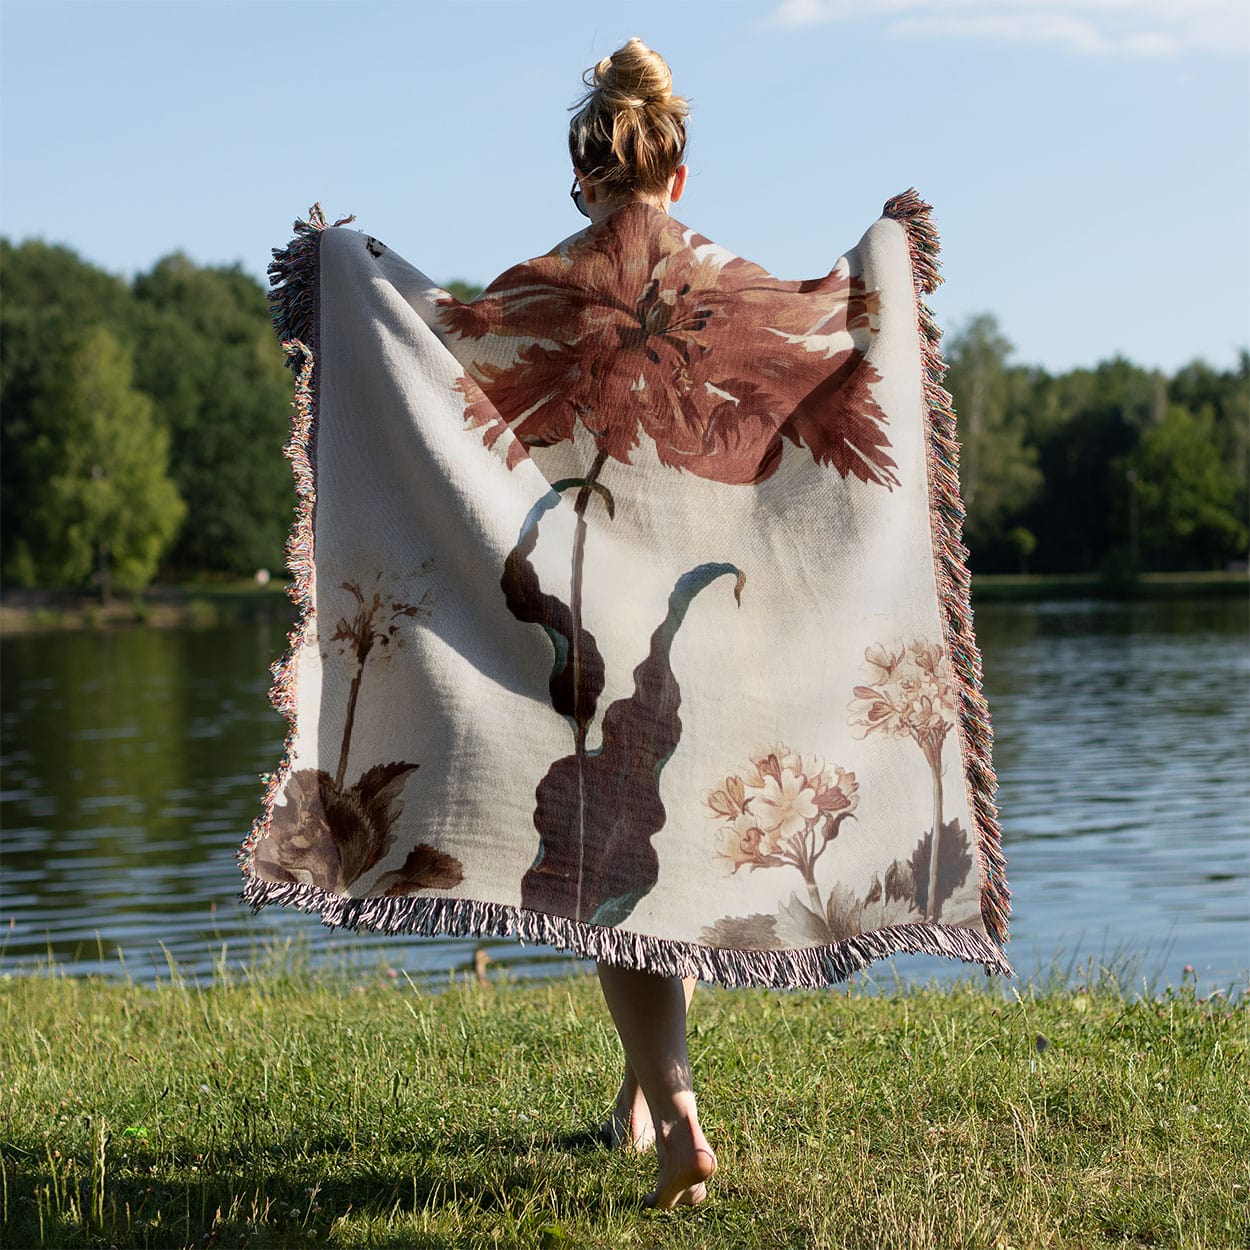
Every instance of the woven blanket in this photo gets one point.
(634, 618)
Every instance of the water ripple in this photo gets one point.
(131, 764)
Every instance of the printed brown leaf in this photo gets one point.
(954, 864)
(756, 932)
(425, 868)
(597, 811)
(330, 837)
(574, 688)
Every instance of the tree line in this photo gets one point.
(143, 421)
(1112, 470)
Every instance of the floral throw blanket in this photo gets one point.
(634, 617)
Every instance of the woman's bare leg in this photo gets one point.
(629, 1125)
(650, 1015)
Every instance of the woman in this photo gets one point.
(628, 140)
(634, 604)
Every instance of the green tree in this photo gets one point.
(1085, 424)
(1223, 399)
(1185, 495)
(106, 506)
(51, 299)
(997, 467)
(462, 290)
(1024, 543)
(208, 357)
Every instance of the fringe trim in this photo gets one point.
(954, 582)
(806, 968)
(293, 304)
(293, 281)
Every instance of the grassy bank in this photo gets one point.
(217, 603)
(185, 604)
(284, 1110)
(1000, 587)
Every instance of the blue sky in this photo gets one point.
(1089, 160)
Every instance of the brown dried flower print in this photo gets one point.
(911, 695)
(640, 326)
(329, 835)
(372, 623)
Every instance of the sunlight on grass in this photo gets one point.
(280, 1107)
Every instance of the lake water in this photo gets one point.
(131, 759)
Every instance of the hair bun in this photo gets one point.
(634, 76)
(630, 129)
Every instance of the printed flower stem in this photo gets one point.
(803, 852)
(361, 633)
(813, 893)
(579, 559)
(934, 905)
(363, 639)
(911, 695)
(575, 606)
(341, 772)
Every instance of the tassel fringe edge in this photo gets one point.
(803, 968)
(293, 304)
(947, 511)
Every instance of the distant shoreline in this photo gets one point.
(201, 605)
(1005, 587)
(176, 605)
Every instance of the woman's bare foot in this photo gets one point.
(686, 1165)
(629, 1126)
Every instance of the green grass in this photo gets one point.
(291, 1109)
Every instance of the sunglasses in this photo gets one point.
(576, 196)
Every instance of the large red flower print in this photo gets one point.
(639, 326)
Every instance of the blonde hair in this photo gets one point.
(629, 131)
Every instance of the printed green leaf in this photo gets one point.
(802, 926)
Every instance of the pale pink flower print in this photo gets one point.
(785, 805)
(782, 808)
(911, 696)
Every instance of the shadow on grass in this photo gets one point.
(260, 1197)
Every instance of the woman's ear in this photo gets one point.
(588, 186)
(678, 185)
